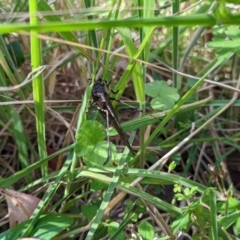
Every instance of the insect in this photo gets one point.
(102, 101)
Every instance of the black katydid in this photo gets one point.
(102, 101)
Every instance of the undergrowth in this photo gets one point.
(177, 64)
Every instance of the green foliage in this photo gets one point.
(229, 206)
(231, 214)
(89, 211)
(164, 97)
(222, 13)
(200, 213)
(229, 43)
(175, 41)
(86, 139)
(113, 227)
(96, 186)
(134, 209)
(181, 223)
(16, 53)
(187, 193)
(172, 166)
(47, 227)
(146, 230)
(90, 144)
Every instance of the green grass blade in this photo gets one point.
(5, 183)
(38, 87)
(170, 21)
(48, 196)
(109, 192)
(184, 99)
(20, 140)
(213, 214)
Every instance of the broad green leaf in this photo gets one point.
(202, 215)
(222, 43)
(222, 13)
(47, 227)
(230, 45)
(164, 97)
(89, 136)
(229, 220)
(229, 206)
(97, 185)
(180, 196)
(98, 154)
(238, 226)
(233, 32)
(146, 230)
(113, 227)
(90, 144)
(181, 223)
(89, 211)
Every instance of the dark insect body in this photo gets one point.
(103, 102)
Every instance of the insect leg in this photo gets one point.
(108, 139)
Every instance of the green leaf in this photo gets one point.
(229, 220)
(164, 97)
(180, 196)
(202, 215)
(16, 53)
(197, 236)
(233, 1)
(47, 227)
(97, 185)
(229, 207)
(113, 227)
(89, 211)
(172, 166)
(222, 43)
(90, 144)
(193, 191)
(191, 82)
(146, 230)
(222, 13)
(181, 223)
(20, 140)
(237, 229)
(186, 192)
(184, 119)
(176, 160)
(51, 226)
(98, 154)
(88, 137)
(177, 188)
(231, 45)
